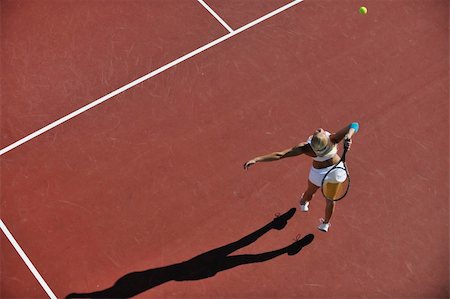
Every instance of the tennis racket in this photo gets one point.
(336, 182)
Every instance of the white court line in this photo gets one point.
(27, 260)
(224, 24)
(145, 77)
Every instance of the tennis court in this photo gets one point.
(125, 125)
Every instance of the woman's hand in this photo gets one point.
(347, 142)
(249, 163)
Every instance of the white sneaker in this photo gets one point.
(304, 208)
(324, 226)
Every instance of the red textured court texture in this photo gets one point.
(153, 177)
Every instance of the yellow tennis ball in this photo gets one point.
(363, 10)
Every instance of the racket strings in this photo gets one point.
(335, 184)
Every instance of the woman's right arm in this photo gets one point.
(291, 152)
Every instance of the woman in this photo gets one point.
(322, 147)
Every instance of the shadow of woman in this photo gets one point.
(202, 266)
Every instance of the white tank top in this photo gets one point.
(329, 153)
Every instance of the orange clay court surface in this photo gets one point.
(153, 176)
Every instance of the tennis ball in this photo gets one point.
(363, 10)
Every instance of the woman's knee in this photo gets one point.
(310, 191)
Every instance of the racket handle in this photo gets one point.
(343, 154)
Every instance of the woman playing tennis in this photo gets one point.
(322, 147)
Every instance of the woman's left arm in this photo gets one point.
(345, 133)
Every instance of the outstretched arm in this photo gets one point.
(295, 151)
(346, 134)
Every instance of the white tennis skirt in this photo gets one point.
(316, 175)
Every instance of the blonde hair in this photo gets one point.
(319, 143)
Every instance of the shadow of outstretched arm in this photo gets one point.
(202, 266)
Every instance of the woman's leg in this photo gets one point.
(308, 194)
(329, 208)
